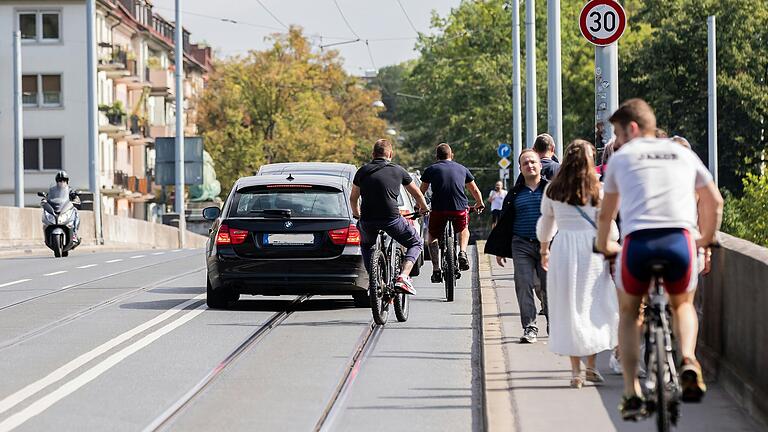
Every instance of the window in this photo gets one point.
(51, 90)
(42, 154)
(40, 26)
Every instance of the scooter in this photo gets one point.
(60, 221)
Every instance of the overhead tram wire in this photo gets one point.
(346, 21)
(407, 17)
(271, 14)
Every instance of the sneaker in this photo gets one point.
(614, 364)
(692, 381)
(405, 284)
(632, 408)
(463, 261)
(529, 335)
(437, 276)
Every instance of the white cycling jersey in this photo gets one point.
(656, 180)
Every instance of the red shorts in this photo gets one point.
(438, 219)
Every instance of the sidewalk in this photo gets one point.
(531, 389)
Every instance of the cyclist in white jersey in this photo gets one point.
(655, 182)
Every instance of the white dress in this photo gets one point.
(583, 307)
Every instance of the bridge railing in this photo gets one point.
(733, 308)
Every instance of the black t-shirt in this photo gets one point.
(447, 179)
(379, 182)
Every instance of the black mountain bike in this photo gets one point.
(449, 256)
(386, 263)
(661, 387)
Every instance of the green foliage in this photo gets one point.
(747, 217)
(287, 103)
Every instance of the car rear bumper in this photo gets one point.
(344, 274)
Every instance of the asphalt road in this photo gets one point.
(123, 342)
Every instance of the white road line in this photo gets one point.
(91, 374)
(114, 261)
(14, 282)
(138, 256)
(159, 253)
(67, 286)
(87, 266)
(55, 273)
(177, 250)
(60, 373)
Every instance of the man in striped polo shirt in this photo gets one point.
(521, 211)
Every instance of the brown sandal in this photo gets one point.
(577, 382)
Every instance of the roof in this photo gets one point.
(322, 168)
(315, 180)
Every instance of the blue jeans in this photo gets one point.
(398, 228)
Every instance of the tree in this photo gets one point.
(747, 217)
(283, 104)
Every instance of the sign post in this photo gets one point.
(602, 23)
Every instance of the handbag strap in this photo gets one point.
(585, 216)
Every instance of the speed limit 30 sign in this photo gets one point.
(602, 22)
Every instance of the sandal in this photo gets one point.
(594, 376)
(577, 382)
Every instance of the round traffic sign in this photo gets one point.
(504, 150)
(602, 22)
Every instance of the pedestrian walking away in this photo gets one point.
(515, 237)
(496, 200)
(378, 184)
(581, 296)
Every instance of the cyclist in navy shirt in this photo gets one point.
(449, 202)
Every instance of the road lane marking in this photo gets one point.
(87, 266)
(55, 273)
(61, 373)
(114, 261)
(138, 256)
(15, 282)
(159, 253)
(91, 374)
(177, 250)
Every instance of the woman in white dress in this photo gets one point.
(583, 308)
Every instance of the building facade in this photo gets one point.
(135, 92)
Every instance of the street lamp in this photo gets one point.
(378, 104)
(391, 132)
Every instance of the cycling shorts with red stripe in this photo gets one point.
(673, 246)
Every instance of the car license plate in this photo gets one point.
(289, 239)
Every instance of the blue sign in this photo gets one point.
(504, 150)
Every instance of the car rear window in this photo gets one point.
(301, 201)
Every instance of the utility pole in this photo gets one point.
(555, 80)
(517, 136)
(179, 55)
(92, 114)
(606, 87)
(530, 73)
(18, 127)
(712, 95)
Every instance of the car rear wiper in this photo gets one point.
(281, 213)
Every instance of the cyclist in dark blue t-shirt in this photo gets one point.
(449, 202)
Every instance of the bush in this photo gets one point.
(747, 216)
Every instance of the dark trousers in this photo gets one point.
(530, 278)
(398, 228)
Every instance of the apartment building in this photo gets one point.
(135, 90)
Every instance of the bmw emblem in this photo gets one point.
(288, 224)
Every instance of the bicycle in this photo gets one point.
(449, 256)
(385, 266)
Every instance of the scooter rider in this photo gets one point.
(61, 188)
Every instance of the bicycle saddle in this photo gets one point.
(657, 266)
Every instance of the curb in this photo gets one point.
(498, 407)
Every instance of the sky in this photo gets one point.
(390, 26)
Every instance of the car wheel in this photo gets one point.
(217, 299)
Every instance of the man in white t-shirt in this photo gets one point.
(496, 200)
(655, 181)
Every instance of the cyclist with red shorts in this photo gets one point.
(655, 183)
(449, 203)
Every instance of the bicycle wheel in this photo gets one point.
(402, 306)
(449, 272)
(663, 415)
(377, 287)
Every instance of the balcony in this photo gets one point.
(162, 82)
(136, 78)
(115, 63)
(113, 125)
(140, 132)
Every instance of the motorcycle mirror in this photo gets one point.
(42, 194)
(211, 213)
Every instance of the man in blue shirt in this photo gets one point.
(449, 203)
(515, 237)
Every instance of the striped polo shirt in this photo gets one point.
(527, 212)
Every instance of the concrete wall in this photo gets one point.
(733, 305)
(23, 227)
(68, 122)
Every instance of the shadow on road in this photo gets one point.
(179, 290)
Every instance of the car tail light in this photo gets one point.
(226, 236)
(345, 236)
